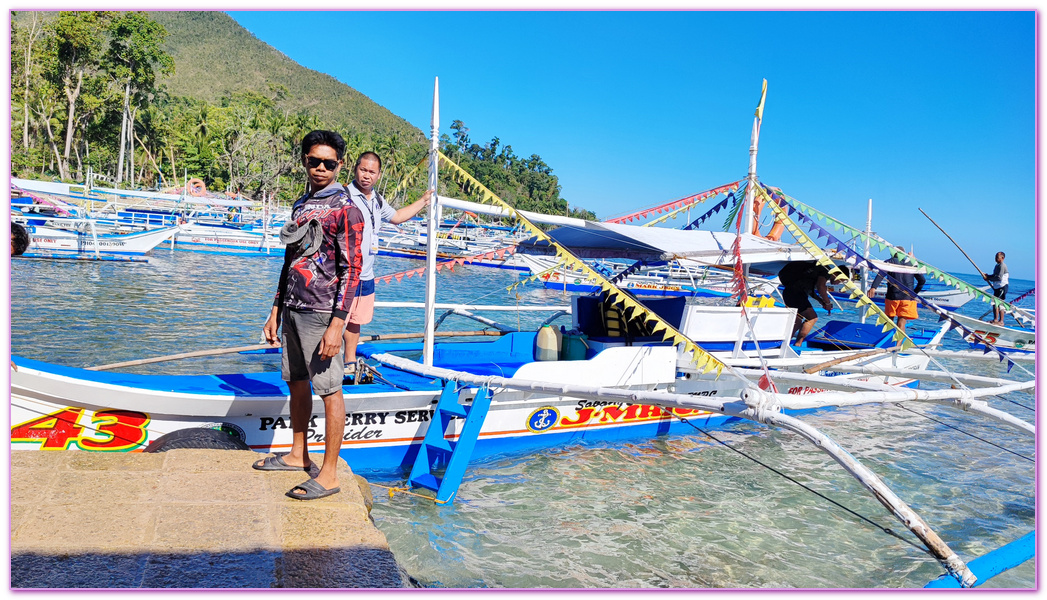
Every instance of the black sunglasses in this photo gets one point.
(314, 162)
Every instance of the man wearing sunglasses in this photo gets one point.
(375, 209)
(318, 282)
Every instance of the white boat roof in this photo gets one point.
(892, 267)
(613, 240)
(495, 211)
(65, 189)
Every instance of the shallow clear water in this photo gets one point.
(682, 512)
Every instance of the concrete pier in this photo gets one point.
(187, 519)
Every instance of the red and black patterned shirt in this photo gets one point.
(326, 280)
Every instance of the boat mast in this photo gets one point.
(750, 188)
(868, 236)
(433, 228)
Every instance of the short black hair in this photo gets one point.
(322, 137)
(368, 154)
(19, 239)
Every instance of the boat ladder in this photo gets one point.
(437, 450)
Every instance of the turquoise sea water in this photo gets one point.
(734, 508)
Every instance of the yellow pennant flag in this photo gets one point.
(763, 98)
(615, 295)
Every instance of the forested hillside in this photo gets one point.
(217, 58)
(147, 99)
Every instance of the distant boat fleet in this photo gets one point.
(68, 221)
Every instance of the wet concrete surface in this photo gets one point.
(188, 519)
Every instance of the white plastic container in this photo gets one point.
(546, 345)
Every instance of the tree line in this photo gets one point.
(88, 93)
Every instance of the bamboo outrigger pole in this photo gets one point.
(980, 272)
(375, 337)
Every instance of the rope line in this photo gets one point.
(886, 530)
(967, 433)
(403, 490)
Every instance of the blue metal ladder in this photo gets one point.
(437, 450)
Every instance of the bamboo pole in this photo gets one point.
(219, 351)
(195, 354)
(819, 367)
(953, 241)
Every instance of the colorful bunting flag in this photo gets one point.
(615, 295)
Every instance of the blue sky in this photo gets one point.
(931, 110)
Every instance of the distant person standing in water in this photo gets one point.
(19, 239)
(317, 282)
(375, 209)
(998, 280)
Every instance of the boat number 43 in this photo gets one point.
(109, 431)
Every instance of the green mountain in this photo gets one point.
(221, 72)
(215, 57)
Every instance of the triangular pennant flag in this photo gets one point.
(700, 360)
(399, 277)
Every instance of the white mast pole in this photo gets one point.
(433, 228)
(868, 235)
(750, 189)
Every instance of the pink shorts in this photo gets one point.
(362, 310)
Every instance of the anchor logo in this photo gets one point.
(543, 418)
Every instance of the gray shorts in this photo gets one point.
(302, 332)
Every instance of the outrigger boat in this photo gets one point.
(485, 246)
(1015, 339)
(949, 299)
(672, 279)
(85, 239)
(200, 223)
(626, 369)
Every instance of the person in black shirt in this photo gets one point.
(801, 280)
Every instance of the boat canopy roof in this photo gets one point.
(890, 267)
(66, 189)
(613, 240)
(185, 199)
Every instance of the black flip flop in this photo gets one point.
(313, 491)
(276, 463)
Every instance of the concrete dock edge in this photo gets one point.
(187, 519)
